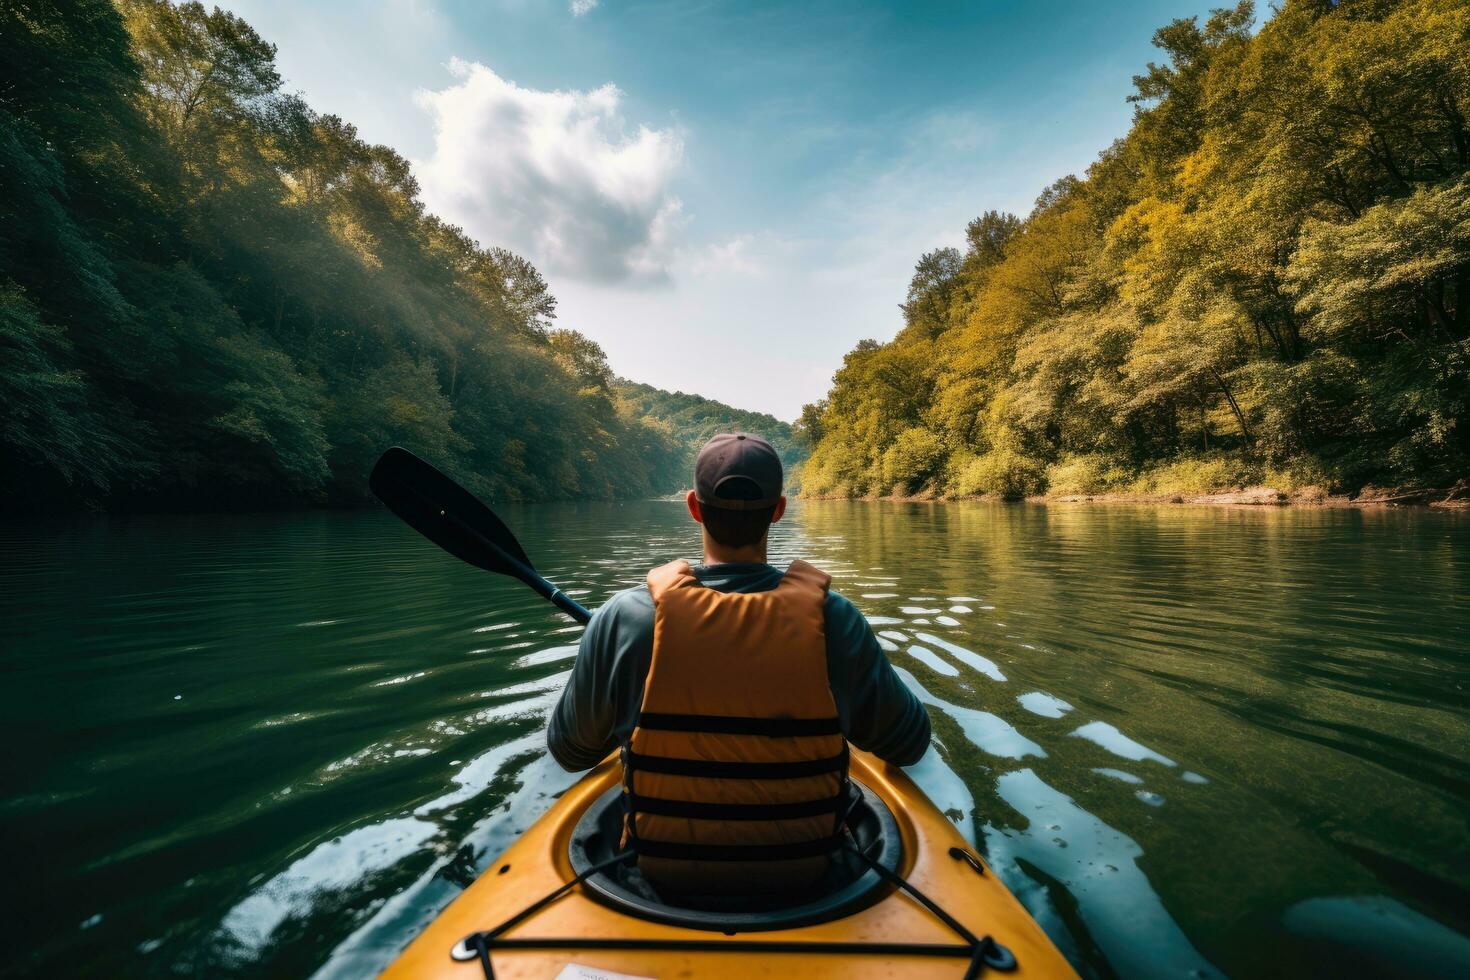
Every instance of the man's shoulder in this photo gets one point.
(845, 622)
(841, 605)
(636, 605)
(634, 602)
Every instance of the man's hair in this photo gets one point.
(738, 528)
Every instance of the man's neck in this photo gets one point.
(719, 554)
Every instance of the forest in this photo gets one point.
(692, 419)
(213, 296)
(1264, 281)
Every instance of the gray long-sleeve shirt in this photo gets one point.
(599, 707)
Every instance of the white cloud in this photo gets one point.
(739, 256)
(580, 7)
(555, 175)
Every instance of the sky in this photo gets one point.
(726, 196)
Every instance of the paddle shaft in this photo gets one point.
(526, 574)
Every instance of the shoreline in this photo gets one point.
(1448, 498)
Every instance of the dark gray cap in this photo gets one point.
(738, 471)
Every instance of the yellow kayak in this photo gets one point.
(560, 903)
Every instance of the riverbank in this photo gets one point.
(1455, 498)
(1449, 498)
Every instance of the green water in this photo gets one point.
(1192, 740)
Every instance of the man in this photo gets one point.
(732, 688)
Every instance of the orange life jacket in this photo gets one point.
(735, 777)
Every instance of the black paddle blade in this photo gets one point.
(446, 513)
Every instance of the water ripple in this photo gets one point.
(273, 744)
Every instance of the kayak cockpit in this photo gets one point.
(557, 898)
(849, 884)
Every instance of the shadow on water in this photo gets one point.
(1193, 741)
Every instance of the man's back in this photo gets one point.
(599, 708)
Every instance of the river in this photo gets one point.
(1195, 741)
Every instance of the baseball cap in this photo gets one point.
(738, 471)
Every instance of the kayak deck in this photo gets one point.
(539, 863)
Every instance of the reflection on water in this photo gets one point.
(1193, 741)
(987, 732)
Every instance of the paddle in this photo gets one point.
(455, 519)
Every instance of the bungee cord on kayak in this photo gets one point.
(983, 952)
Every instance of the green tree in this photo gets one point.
(211, 294)
(1267, 271)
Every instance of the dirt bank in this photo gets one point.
(1454, 498)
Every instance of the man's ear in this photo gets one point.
(692, 501)
(780, 509)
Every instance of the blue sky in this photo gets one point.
(726, 196)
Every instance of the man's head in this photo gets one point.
(737, 491)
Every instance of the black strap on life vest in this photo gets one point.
(733, 811)
(728, 725)
(736, 770)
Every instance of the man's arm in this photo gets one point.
(879, 713)
(580, 732)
